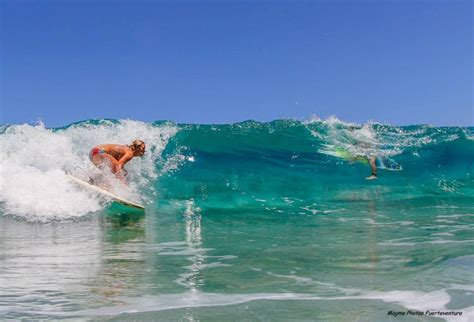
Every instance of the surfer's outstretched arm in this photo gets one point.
(373, 167)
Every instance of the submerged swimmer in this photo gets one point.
(360, 145)
(115, 156)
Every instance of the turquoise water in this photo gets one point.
(245, 221)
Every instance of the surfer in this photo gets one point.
(115, 156)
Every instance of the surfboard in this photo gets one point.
(338, 152)
(105, 193)
(381, 162)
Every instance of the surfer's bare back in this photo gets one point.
(114, 156)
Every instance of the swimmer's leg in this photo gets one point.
(373, 167)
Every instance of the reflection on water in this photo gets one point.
(47, 264)
(184, 257)
(62, 267)
(192, 218)
(122, 257)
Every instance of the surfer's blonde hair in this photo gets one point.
(136, 144)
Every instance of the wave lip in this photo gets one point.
(33, 159)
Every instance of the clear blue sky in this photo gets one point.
(400, 62)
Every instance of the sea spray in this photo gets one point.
(34, 161)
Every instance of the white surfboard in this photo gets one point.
(104, 192)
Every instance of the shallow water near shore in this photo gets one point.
(243, 221)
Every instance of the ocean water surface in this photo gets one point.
(246, 221)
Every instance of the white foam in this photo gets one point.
(374, 138)
(413, 300)
(33, 161)
(436, 241)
